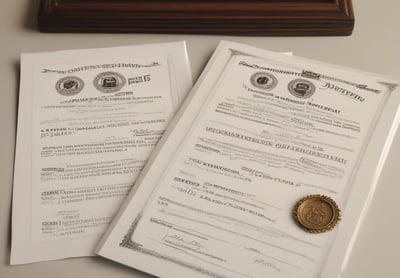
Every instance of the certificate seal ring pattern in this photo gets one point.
(301, 88)
(69, 86)
(109, 82)
(316, 214)
(263, 80)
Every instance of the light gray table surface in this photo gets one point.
(374, 46)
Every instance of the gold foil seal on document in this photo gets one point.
(316, 213)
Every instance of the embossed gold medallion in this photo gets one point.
(316, 213)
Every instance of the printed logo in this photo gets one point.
(263, 80)
(109, 82)
(69, 86)
(311, 74)
(301, 88)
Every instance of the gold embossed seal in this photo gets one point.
(316, 213)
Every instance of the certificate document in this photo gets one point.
(259, 132)
(88, 121)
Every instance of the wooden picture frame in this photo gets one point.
(234, 17)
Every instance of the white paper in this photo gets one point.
(88, 121)
(259, 132)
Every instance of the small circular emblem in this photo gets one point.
(109, 82)
(301, 88)
(316, 213)
(263, 80)
(69, 86)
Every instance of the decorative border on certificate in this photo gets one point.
(313, 75)
(127, 242)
